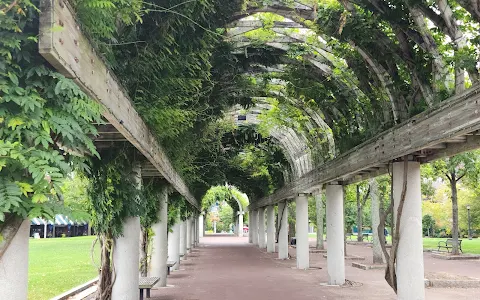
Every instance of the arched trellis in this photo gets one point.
(302, 15)
(323, 60)
(294, 144)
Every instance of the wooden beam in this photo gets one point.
(454, 117)
(71, 54)
(259, 24)
(472, 142)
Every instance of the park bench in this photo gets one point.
(146, 283)
(169, 265)
(448, 244)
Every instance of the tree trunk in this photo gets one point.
(453, 186)
(144, 252)
(107, 270)
(320, 213)
(8, 230)
(359, 216)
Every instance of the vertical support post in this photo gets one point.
(378, 257)
(250, 226)
(201, 230)
(174, 244)
(409, 266)
(189, 235)
(183, 239)
(240, 224)
(235, 226)
(14, 265)
(195, 231)
(320, 216)
(303, 251)
(283, 230)
(127, 253)
(262, 243)
(254, 227)
(271, 229)
(158, 265)
(335, 235)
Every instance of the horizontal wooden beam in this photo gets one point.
(259, 24)
(64, 46)
(457, 116)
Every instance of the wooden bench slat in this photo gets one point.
(147, 282)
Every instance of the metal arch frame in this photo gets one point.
(294, 22)
(293, 144)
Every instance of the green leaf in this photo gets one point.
(39, 198)
(14, 122)
(13, 77)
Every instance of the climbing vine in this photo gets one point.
(115, 195)
(45, 124)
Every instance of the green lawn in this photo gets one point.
(57, 265)
(468, 246)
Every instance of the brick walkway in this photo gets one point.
(228, 268)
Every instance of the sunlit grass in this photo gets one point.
(57, 265)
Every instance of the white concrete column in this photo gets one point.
(250, 234)
(189, 234)
(262, 242)
(254, 227)
(183, 239)
(303, 251)
(174, 244)
(377, 252)
(158, 264)
(320, 214)
(195, 231)
(235, 226)
(126, 254)
(201, 230)
(335, 235)
(409, 266)
(271, 229)
(14, 265)
(192, 232)
(125, 258)
(282, 221)
(240, 224)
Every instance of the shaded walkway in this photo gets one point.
(228, 268)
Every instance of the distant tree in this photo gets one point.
(225, 215)
(454, 169)
(428, 224)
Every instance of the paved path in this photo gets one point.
(228, 268)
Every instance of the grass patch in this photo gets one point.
(468, 246)
(57, 265)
